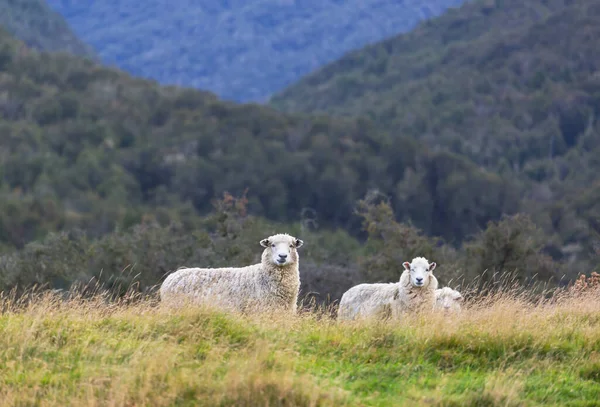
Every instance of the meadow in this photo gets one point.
(505, 349)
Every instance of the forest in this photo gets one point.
(87, 148)
(511, 87)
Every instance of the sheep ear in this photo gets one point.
(432, 266)
(299, 243)
(406, 265)
(264, 243)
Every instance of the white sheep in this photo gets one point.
(414, 291)
(448, 299)
(269, 285)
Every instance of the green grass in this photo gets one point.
(506, 352)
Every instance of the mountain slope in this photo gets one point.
(90, 146)
(512, 85)
(456, 40)
(40, 27)
(241, 50)
(467, 70)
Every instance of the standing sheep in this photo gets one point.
(414, 291)
(271, 284)
(448, 299)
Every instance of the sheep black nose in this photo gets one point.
(419, 279)
(283, 256)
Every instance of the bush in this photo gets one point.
(514, 245)
(140, 256)
(390, 243)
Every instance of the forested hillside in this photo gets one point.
(40, 27)
(241, 50)
(80, 140)
(513, 86)
(90, 148)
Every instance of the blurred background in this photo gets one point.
(136, 138)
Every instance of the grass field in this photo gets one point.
(504, 351)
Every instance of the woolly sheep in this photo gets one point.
(269, 285)
(448, 299)
(414, 291)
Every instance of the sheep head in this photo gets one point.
(280, 249)
(420, 271)
(448, 299)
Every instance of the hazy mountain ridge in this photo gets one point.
(34, 22)
(241, 50)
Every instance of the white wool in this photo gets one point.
(272, 284)
(415, 291)
(448, 300)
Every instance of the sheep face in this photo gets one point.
(448, 299)
(420, 271)
(280, 250)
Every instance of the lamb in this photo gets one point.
(272, 284)
(448, 299)
(415, 291)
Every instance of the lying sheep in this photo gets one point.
(448, 299)
(272, 284)
(414, 291)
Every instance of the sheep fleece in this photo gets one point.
(258, 287)
(386, 300)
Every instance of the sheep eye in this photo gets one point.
(273, 245)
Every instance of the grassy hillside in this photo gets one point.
(40, 27)
(511, 85)
(241, 50)
(499, 352)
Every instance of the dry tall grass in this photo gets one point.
(505, 348)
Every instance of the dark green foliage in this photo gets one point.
(135, 166)
(99, 149)
(513, 244)
(241, 50)
(390, 243)
(507, 86)
(140, 256)
(449, 196)
(26, 218)
(57, 261)
(34, 22)
(511, 249)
